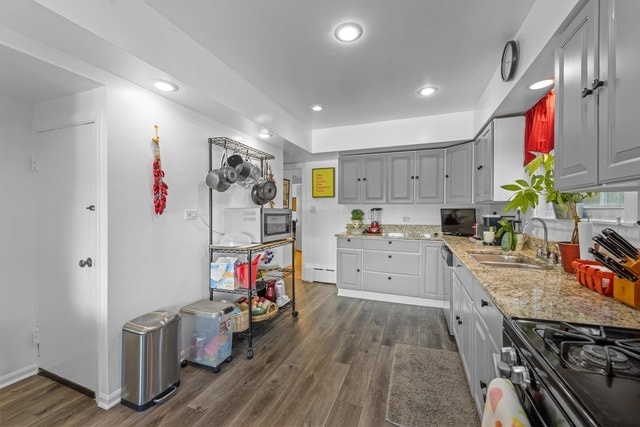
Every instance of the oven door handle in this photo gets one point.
(501, 369)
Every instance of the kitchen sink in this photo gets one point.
(511, 261)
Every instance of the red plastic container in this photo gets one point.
(242, 273)
(594, 276)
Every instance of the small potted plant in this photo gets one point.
(356, 218)
(527, 194)
(509, 237)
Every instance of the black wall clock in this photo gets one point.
(509, 60)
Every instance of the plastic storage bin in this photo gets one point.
(207, 332)
(150, 359)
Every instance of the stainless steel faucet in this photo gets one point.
(544, 251)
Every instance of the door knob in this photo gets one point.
(86, 262)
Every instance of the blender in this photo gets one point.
(376, 216)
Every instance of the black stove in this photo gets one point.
(577, 374)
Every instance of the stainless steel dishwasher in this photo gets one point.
(446, 265)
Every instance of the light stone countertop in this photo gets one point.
(400, 231)
(548, 294)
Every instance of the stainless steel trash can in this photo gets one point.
(150, 359)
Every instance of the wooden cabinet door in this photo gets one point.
(429, 177)
(401, 178)
(576, 129)
(350, 180)
(432, 280)
(458, 175)
(483, 165)
(374, 178)
(349, 266)
(619, 135)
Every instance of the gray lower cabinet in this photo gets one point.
(477, 330)
(409, 268)
(349, 264)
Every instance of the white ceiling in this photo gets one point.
(32, 80)
(286, 49)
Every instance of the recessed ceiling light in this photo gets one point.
(348, 32)
(427, 91)
(541, 84)
(265, 135)
(316, 107)
(166, 86)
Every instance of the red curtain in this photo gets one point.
(538, 129)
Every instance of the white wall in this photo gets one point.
(18, 242)
(159, 261)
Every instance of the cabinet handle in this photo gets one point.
(594, 85)
(457, 317)
(479, 167)
(483, 384)
(389, 256)
(364, 179)
(413, 177)
(446, 176)
(459, 322)
(389, 278)
(358, 179)
(417, 177)
(358, 270)
(390, 242)
(483, 303)
(348, 240)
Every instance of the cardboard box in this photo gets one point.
(222, 273)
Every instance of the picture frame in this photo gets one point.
(286, 188)
(323, 182)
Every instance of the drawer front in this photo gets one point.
(391, 245)
(392, 262)
(349, 243)
(396, 284)
(489, 313)
(464, 275)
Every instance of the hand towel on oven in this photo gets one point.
(502, 407)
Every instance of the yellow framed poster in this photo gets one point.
(323, 182)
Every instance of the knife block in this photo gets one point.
(627, 291)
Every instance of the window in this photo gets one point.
(606, 206)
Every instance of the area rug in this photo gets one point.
(428, 388)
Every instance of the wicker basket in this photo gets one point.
(241, 321)
(272, 310)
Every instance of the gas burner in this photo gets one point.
(598, 355)
(597, 359)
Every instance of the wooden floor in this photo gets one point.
(328, 367)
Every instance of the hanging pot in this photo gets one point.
(254, 196)
(242, 167)
(228, 174)
(267, 190)
(214, 181)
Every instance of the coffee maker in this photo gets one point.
(376, 217)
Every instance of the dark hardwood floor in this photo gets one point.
(328, 367)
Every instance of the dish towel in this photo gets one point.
(503, 407)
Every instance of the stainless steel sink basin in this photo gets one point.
(511, 261)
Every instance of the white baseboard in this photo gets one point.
(375, 296)
(19, 375)
(109, 401)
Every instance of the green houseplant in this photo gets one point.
(356, 217)
(510, 238)
(541, 185)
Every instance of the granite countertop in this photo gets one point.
(401, 232)
(548, 294)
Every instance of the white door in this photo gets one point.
(67, 233)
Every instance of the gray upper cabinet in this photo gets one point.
(429, 178)
(400, 168)
(458, 174)
(362, 179)
(350, 180)
(596, 97)
(498, 155)
(619, 134)
(576, 131)
(416, 177)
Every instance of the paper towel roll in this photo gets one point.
(585, 233)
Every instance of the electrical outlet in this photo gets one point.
(190, 215)
(406, 219)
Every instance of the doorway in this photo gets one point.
(67, 308)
